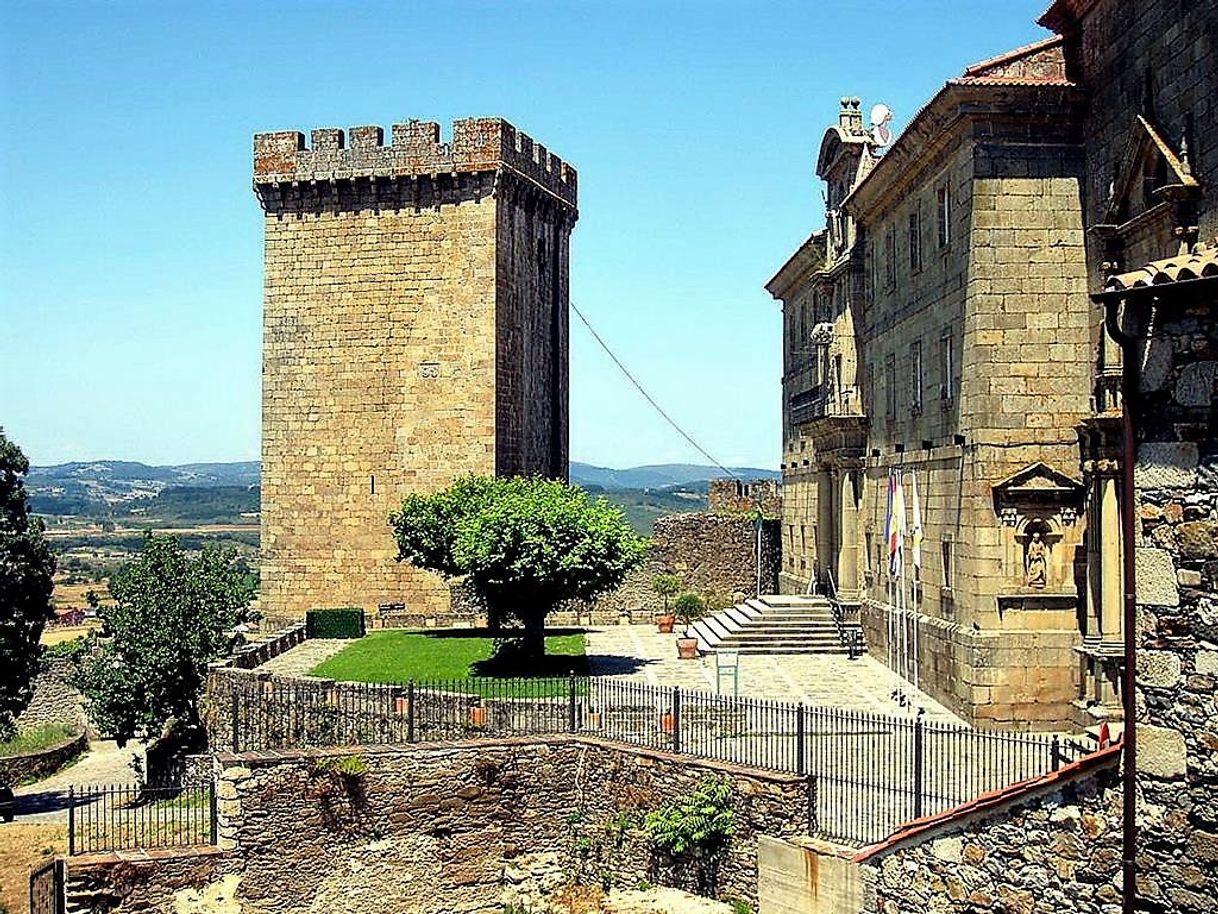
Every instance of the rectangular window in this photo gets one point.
(890, 257)
(943, 207)
(890, 383)
(915, 365)
(947, 387)
(915, 241)
(945, 549)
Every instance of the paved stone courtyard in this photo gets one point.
(826, 680)
(641, 653)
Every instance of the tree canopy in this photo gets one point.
(171, 614)
(26, 571)
(525, 544)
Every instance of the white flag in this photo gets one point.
(915, 535)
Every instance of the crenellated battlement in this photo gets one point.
(414, 150)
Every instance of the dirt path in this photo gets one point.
(104, 763)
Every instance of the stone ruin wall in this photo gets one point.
(711, 553)
(735, 496)
(437, 829)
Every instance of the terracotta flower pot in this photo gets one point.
(595, 720)
(668, 723)
(687, 648)
(401, 704)
(477, 716)
(666, 623)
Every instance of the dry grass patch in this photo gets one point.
(23, 847)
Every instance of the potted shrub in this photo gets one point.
(689, 607)
(477, 714)
(666, 585)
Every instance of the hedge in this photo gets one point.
(342, 622)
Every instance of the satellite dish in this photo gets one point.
(881, 115)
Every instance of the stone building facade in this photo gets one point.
(938, 330)
(415, 329)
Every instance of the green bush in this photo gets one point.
(698, 825)
(689, 606)
(341, 622)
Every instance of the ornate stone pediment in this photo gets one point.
(1150, 172)
(1037, 489)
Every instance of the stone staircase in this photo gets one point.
(772, 625)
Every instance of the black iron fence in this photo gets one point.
(130, 817)
(873, 771)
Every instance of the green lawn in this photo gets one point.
(36, 739)
(399, 656)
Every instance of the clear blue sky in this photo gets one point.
(130, 291)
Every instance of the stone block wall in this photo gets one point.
(1051, 847)
(1177, 588)
(414, 331)
(435, 829)
(734, 496)
(55, 700)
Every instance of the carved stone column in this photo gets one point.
(1111, 578)
(847, 571)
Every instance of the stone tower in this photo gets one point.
(415, 329)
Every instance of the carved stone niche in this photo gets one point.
(1038, 509)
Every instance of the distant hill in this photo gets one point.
(107, 487)
(659, 476)
(117, 488)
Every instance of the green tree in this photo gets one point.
(524, 544)
(26, 569)
(172, 613)
(666, 585)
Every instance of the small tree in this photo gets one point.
(689, 607)
(524, 544)
(172, 614)
(666, 585)
(26, 571)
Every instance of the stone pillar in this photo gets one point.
(825, 525)
(847, 571)
(1091, 624)
(1110, 561)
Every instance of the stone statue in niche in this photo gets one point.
(1036, 561)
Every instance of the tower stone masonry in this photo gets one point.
(415, 329)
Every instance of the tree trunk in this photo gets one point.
(535, 636)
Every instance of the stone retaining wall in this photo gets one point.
(439, 828)
(55, 700)
(16, 769)
(249, 656)
(1051, 846)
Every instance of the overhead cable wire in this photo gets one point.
(648, 397)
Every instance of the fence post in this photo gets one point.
(918, 764)
(215, 815)
(234, 709)
(410, 711)
(1056, 750)
(801, 764)
(572, 723)
(71, 821)
(676, 719)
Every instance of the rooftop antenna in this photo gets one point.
(881, 116)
